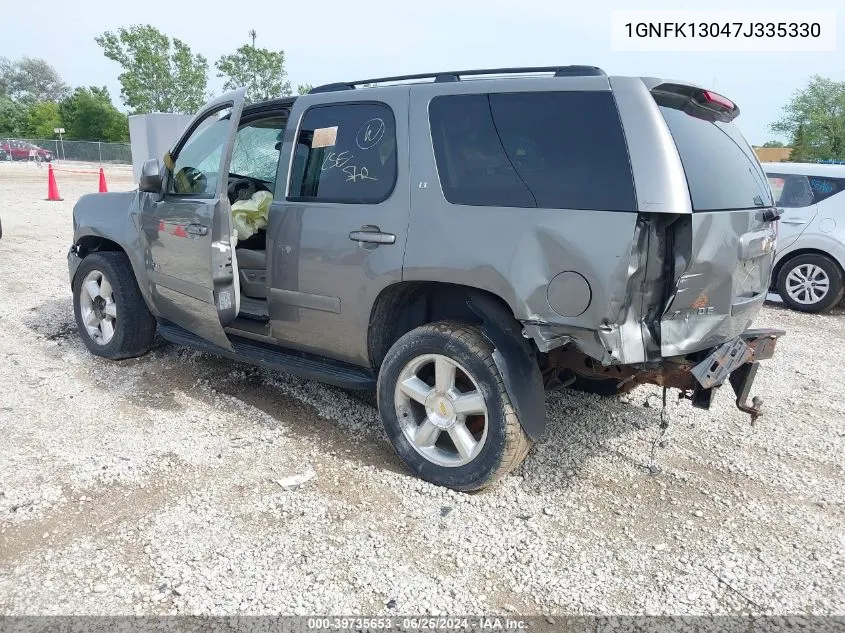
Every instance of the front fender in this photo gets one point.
(111, 218)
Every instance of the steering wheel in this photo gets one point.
(241, 189)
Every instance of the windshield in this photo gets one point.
(722, 171)
(256, 150)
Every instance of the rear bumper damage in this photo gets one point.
(736, 361)
(696, 375)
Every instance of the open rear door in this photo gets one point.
(188, 233)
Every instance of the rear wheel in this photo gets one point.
(111, 315)
(445, 409)
(810, 283)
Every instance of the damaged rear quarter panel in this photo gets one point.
(523, 251)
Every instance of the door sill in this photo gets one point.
(249, 350)
(254, 309)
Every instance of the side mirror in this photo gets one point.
(150, 177)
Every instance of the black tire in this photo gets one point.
(506, 444)
(134, 326)
(836, 284)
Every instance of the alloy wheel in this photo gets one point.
(441, 410)
(97, 306)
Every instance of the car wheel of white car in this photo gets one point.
(810, 283)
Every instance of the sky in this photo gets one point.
(336, 40)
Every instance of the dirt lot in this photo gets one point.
(145, 486)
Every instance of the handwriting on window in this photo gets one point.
(369, 136)
(820, 185)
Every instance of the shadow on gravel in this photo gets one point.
(342, 421)
(580, 426)
(52, 319)
(336, 419)
(583, 428)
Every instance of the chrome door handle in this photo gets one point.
(373, 235)
(196, 229)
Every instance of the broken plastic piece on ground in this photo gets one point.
(295, 481)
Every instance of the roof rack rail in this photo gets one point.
(455, 75)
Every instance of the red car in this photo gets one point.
(21, 150)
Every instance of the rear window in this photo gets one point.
(722, 172)
(557, 150)
(791, 191)
(823, 187)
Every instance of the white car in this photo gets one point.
(809, 271)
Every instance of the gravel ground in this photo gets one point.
(146, 486)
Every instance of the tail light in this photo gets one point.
(717, 99)
(697, 102)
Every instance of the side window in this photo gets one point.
(558, 150)
(345, 153)
(791, 191)
(824, 188)
(196, 167)
(256, 151)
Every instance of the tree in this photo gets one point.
(13, 117)
(303, 89)
(817, 114)
(89, 114)
(800, 150)
(773, 144)
(6, 71)
(42, 119)
(261, 70)
(31, 80)
(160, 74)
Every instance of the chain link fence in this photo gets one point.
(89, 151)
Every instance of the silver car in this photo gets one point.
(458, 242)
(810, 258)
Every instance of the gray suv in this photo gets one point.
(458, 242)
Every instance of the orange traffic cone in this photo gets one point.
(52, 187)
(103, 188)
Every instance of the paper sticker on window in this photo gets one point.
(324, 137)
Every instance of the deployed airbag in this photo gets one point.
(248, 216)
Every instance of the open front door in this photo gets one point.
(188, 231)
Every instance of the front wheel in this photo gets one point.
(445, 409)
(810, 283)
(111, 315)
